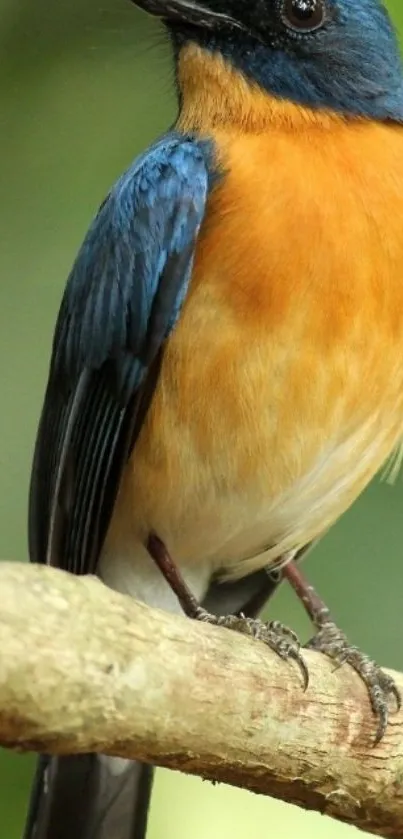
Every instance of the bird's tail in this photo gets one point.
(89, 797)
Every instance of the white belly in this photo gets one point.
(237, 534)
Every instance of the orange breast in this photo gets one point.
(281, 391)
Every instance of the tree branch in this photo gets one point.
(85, 669)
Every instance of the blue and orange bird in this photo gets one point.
(227, 365)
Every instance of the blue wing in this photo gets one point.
(122, 299)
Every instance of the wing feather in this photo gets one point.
(122, 300)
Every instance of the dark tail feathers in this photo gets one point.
(89, 797)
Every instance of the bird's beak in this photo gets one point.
(188, 12)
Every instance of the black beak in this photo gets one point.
(188, 12)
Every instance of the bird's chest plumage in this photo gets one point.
(281, 392)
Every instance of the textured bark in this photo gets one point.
(85, 669)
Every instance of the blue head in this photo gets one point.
(337, 54)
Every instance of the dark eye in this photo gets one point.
(303, 15)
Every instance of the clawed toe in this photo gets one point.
(381, 687)
(274, 634)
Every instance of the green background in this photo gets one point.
(84, 86)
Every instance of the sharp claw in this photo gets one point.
(380, 731)
(330, 641)
(274, 634)
(339, 662)
(303, 668)
(391, 689)
(398, 697)
(382, 712)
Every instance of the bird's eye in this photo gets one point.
(303, 15)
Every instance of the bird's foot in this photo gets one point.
(381, 688)
(279, 638)
(332, 642)
(282, 640)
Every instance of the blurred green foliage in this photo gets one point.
(85, 86)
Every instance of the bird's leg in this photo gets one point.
(172, 575)
(274, 634)
(330, 640)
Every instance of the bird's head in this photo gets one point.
(340, 55)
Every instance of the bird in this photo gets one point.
(226, 374)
